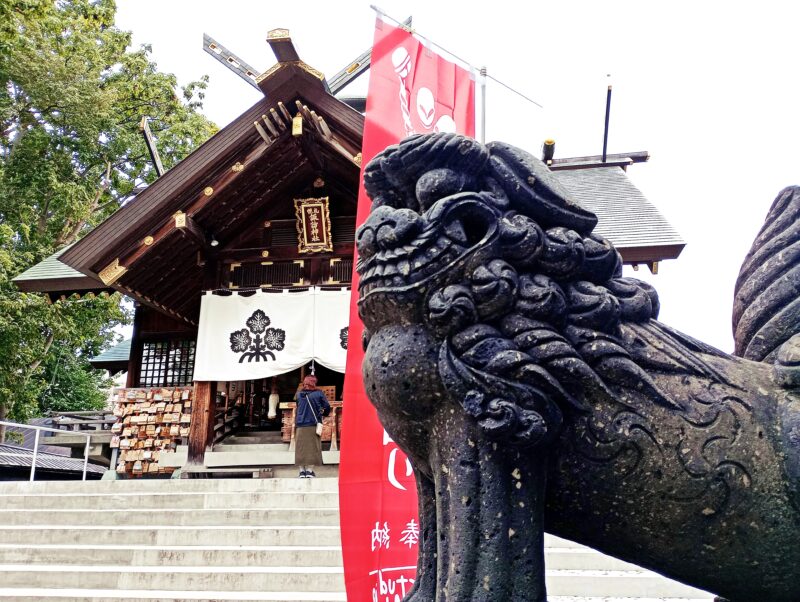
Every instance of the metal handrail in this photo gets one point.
(38, 429)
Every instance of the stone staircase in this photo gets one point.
(203, 539)
(225, 539)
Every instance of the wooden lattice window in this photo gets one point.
(167, 363)
(268, 273)
(340, 271)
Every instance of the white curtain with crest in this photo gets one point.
(263, 334)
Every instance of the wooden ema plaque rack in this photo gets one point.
(149, 422)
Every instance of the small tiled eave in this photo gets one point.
(114, 359)
(54, 277)
(13, 456)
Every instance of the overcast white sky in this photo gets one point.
(710, 89)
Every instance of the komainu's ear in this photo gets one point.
(534, 191)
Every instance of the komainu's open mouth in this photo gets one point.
(400, 249)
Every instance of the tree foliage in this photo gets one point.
(72, 95)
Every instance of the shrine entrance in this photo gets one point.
(254, 424)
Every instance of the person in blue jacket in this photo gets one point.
(312, 405)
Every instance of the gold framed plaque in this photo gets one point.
(313, 225)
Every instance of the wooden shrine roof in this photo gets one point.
(625, 216)
(114, 359)
(246, 171)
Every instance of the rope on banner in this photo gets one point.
(469, 65)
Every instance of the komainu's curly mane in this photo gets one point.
(541, 320)
(524, 375)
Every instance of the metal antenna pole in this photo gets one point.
(608, 113)
(358, 66)
(483, 105)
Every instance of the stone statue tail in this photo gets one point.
(766, 307)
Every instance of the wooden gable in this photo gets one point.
(158, 249)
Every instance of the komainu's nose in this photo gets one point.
(387, 228)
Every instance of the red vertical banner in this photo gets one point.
(412, 90)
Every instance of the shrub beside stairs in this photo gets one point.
(226, 539)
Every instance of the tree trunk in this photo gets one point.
(3, 414)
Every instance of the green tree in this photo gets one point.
(72, 95)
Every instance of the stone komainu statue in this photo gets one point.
(534, 390)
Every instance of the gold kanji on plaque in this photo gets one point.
(313, 225)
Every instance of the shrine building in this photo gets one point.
(262, 218)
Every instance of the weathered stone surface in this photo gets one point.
(533, 388)
(766, 308)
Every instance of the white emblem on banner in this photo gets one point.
(263, 341)
(426, 107)
(402, 66)
(445, 124)
(391, 473)
(425, 100)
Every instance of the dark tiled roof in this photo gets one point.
(15, 456)
(625, 216)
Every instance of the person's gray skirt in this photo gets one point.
(308, 447)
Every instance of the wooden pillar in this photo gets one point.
(201, 430)
(135, 357)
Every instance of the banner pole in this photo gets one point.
(451, 57)
(483, 105)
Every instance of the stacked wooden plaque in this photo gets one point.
(149, 421)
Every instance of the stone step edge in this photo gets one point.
(557, 543)
(182, 569)
(62, 527)
(83, 594)
(212, 485)
(38, 593)
(53, 594)
(88, 568)
(169, 548)
(164, 510)
(220, 548)
(137, 492)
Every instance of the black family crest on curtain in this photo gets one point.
(343, 334)
(264, 340)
